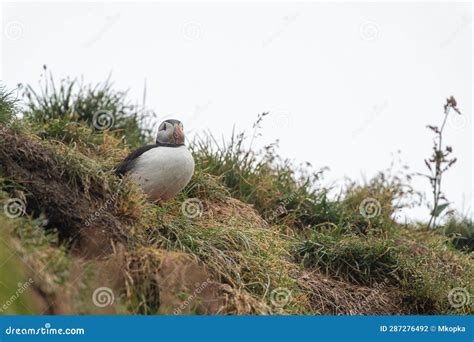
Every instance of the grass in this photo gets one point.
(417, 269)
(461, 231)
(263, 225)
(98, 106)
(279, 192)
(244, 253)
(7, 106)
(289, 195)
(38, 260)
(11, 264)
(353, 259)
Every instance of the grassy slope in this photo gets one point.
(266, 242)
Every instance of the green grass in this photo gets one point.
(351, 258)
(418, 269)
(73, 101)
(266, 224)
(461, 232)
(7, 106)
(246, 254)
(280, 192)
(13, 300)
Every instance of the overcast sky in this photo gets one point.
(347, 85)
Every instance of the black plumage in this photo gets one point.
(129, 162)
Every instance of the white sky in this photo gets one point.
(347, 84)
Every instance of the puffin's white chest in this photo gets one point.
(162, 172)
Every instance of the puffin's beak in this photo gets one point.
(179, 134)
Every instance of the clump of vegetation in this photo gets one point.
(392, 262)
(351, 258)
(461, 231)
(99, 106)
(261, 237)
(371, 206)
(7, 106)
(282, 193)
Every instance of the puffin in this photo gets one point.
(162, 169)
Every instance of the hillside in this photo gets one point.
(251, 234)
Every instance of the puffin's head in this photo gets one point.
(170, 133)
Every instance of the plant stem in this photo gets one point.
(438, 174)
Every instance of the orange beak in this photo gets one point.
(179, 134)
